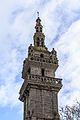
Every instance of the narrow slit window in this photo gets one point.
(37, 43)
(42, 44)
(29, 70)
(37, 38)
(41, 55)
(37, 29)
(42, 72)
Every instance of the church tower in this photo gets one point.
(39, 91)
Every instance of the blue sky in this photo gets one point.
(61, 21)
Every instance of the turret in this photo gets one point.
(39, 36)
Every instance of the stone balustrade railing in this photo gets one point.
(38, 59)
(40, 80)
(45, 79)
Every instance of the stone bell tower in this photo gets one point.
(39, 92)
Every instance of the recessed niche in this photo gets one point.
(41, 55)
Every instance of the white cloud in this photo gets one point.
(9, 89)
(69, 69)
(13, 41)
(8, 94)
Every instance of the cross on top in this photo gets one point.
(38, 14)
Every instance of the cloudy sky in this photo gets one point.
(61, 21)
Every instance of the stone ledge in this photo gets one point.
(37, 81)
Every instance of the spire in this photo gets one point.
(38, 26)
(39, 35)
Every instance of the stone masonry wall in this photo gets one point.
(41, 103)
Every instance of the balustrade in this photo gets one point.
(47, 60)
(45, 79)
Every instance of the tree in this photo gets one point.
(70, 112)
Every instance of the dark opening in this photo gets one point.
(41, 55)
(31, 58)
(42, 44)
(42, 72)
(37, 43)
(40, 29)
(37, 29)
(29, 70)
(37, 38)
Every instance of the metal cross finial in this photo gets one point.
(38, 14)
